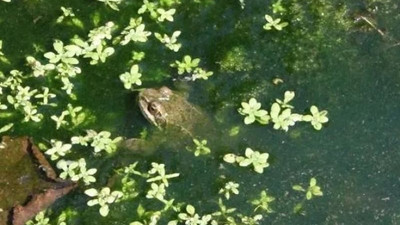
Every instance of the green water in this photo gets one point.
(329, 60)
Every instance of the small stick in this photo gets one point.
(373, 26)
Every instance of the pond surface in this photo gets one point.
(328, 55)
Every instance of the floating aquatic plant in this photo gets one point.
(158, 174)
(6, 127)
(254, 220)
(40, 219)
(2, 56)
(229, 188)
(131, 77)
(190, 217)
(156, 191)
(200, 73)
(76, 170)
(113, 4)
(282, 119)
(148, 7)
(165, 14)
(201, 147)
(277, 7)
(102, 141)
(274, 23)
(45, 96)
(223, 212)
(288, 96)
(170, 42)
(253, 112)
(263, 202)
(103, 198)
(186, 65)
(312, 190)
(255, 158)
(317, 118)
(58, 149)
(66, 12)
(135, 32)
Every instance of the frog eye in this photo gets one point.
(153, 107)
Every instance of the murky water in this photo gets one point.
(324, 56)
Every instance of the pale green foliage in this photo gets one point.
(40, 219)
(282, 119)
(131, 77)
(170, 42)
(63, 54)
(149, 7)
(66, 12)
(317, 118)
(190, 66)
(187, 65)
(60, 120)
(288, 96)
(200, 73)
(99, 54)
(58, 149)
(234, 131)
(138, 56)
(65, 216)
(274, 23)
(263, 202)
(128, 188)
(277, 7)
(165, 14)
(312, 190)
(229, 188)
(156, 191)
(95, 48)
(45, 96)
(101, 141)
(255, 158)
(6, 127)
(76, 170)
(64, 62)
(103, 198)
(73, 112)
(224, 213)
(22, 102)
(242, 4)
(255, 220)
(190, 217)
(153, 219)
(201, 147)
(98, 35)
(157, 173)
(135, 32)
(253, 112)
(113, 4)
(2, 56)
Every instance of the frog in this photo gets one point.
(173, 115)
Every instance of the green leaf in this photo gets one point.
(230, 158)
(234, 131)
(298, 188)
(6, 127)
(190, 209)
(140, 210)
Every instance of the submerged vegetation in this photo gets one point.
(71, 91)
